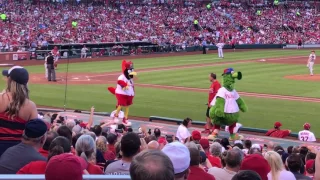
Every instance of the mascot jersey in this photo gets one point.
(129, 82)
(231, 105)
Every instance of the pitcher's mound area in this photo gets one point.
(304, 77)
(76, 78)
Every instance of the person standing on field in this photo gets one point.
(215, 86)
(50, 67)
(311, 60)
(220, 49)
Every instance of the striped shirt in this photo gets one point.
(11, 129)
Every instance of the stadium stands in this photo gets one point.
(42, 23)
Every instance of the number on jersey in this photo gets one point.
(304, 138)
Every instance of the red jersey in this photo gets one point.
(278, 133)
(215, 86)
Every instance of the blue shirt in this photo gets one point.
(204, 43)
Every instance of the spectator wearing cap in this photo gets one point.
(250, 163)
(179, 155)
(130, 146)
(277, 168)
(157, 132)
(204, 142)
(58, 146)
(277, 132)
(33, 138)
(65, 166)
(310, 169)
(15, 107)
(183, 132)
(196, 136)
(233, 162)
(294, 164)
(151, 164)
(214, 156)
(44, 151)
(86, 148)
(162, 142)
(196, 172)
(306, 134)
(246, 175)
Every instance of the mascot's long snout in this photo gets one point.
(237, 75)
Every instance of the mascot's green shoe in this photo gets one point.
(227, 104)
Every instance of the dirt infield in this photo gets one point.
(288, 60)
(304, 77)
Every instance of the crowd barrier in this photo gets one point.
(295, 46)
(85, 177)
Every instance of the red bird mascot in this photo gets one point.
(124, 91)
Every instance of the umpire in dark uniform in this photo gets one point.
(204, 46)
(50, 67)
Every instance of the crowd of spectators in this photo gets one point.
(67, 148)
(37, 25)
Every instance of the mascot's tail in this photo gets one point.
(112, 90)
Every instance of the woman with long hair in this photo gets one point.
(183, 131)
(86, 148)
(16, 109)
(278, 171)
(102, 146)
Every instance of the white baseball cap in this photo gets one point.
(179, 155)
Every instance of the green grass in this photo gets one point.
(258, 77)
(111, 66)
(180, 104)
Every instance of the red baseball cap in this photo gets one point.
(196, 135)
(277, 124)
(306, 126)
(65, 166)
(204, 143)
(162, 140)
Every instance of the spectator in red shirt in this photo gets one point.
(196, 172)
(112, 139)
(277, 132)
(86, 148)
(102, 146)
(214, 156)
(44, 151)
(215, 86)
(58, 146)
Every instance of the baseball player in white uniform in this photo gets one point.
(311, 60)
(45, 65)
(306, 135)
(220, 49)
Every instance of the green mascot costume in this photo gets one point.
(227, 104)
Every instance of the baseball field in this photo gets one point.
(276, 86)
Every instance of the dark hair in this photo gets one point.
(294, 162)
(233, 158)
(289, 149)
(130, 144)
(239, 145)
(111, 138)
(51, 135)
(130, 130)
(304, 150)
(58, 146)
(157, 132)
(118, 149)
(53, 117)
(225, 143)
(150, 138)
(194, 156)
(245, 175)
(75, 139)
(65, 132)
(247, 144)
(310, 155)
(186, 121)
(214, 76)
(151, 164)
(97, 130)
(104, 134)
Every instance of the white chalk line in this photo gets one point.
(188, 66)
